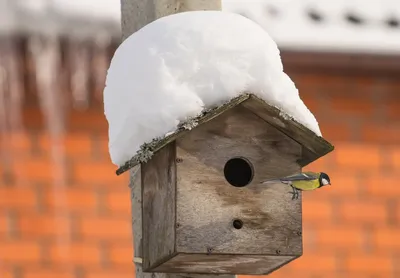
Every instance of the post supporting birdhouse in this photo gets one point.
(137, 13)
(134, 15)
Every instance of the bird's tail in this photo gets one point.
(270, 181)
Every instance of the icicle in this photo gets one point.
(101, 62)
(10, 99)
(46, 55)
(3, 92)
(15, 85)
(5, 149)
(79, 58)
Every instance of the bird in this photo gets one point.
(305, 181)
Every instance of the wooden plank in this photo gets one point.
(207, 203)
(159, 207)
(136, 204)
(138, 13)
(135, 186)
(314, 146)
(225, 264)
(203, 118)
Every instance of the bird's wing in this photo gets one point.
(305, 185)
(306, 176)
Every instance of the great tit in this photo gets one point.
(303, 182)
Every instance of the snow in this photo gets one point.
(95, 9)
(101, 9)
(175, 67)
(291, 28)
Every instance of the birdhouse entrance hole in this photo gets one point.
(237, 224)
(238, 171)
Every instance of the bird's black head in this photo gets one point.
(324, 179)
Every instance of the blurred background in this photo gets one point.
(65, 214)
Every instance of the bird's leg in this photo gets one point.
(294, 192)
(297, 193)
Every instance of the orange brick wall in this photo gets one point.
(83, 229)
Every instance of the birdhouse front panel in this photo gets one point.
(222, 207)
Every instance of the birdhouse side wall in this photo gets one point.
(159, 206)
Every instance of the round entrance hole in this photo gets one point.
(237, 224)
(238, 171)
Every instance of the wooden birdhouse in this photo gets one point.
(204, 208)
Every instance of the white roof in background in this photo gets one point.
(85, 18)
(315, 25)
(333, 25)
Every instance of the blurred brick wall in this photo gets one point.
(82, 230)
(353, 228)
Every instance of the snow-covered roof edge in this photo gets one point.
(314, 146)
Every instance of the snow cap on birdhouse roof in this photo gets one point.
(313, 146)
(180, 66)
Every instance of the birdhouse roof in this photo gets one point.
(314, 146)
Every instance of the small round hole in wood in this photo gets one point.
(237, 224)
(238, 171)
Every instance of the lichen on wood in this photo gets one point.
(314, 146)
(147, 149)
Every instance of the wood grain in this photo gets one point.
(136, 204)
(137, 13)
(140, 273)
(225, 264)
(135, 186)
(314, 146)
(208, 116)
(159, 207)
(207, 204)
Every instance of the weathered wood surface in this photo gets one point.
(314, 146)
(207, 203)
(138, 13)
(159, 206)
(136, 204)
(135, 186)
(246, 264)
(181, 131)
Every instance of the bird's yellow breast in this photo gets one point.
(306, 185)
